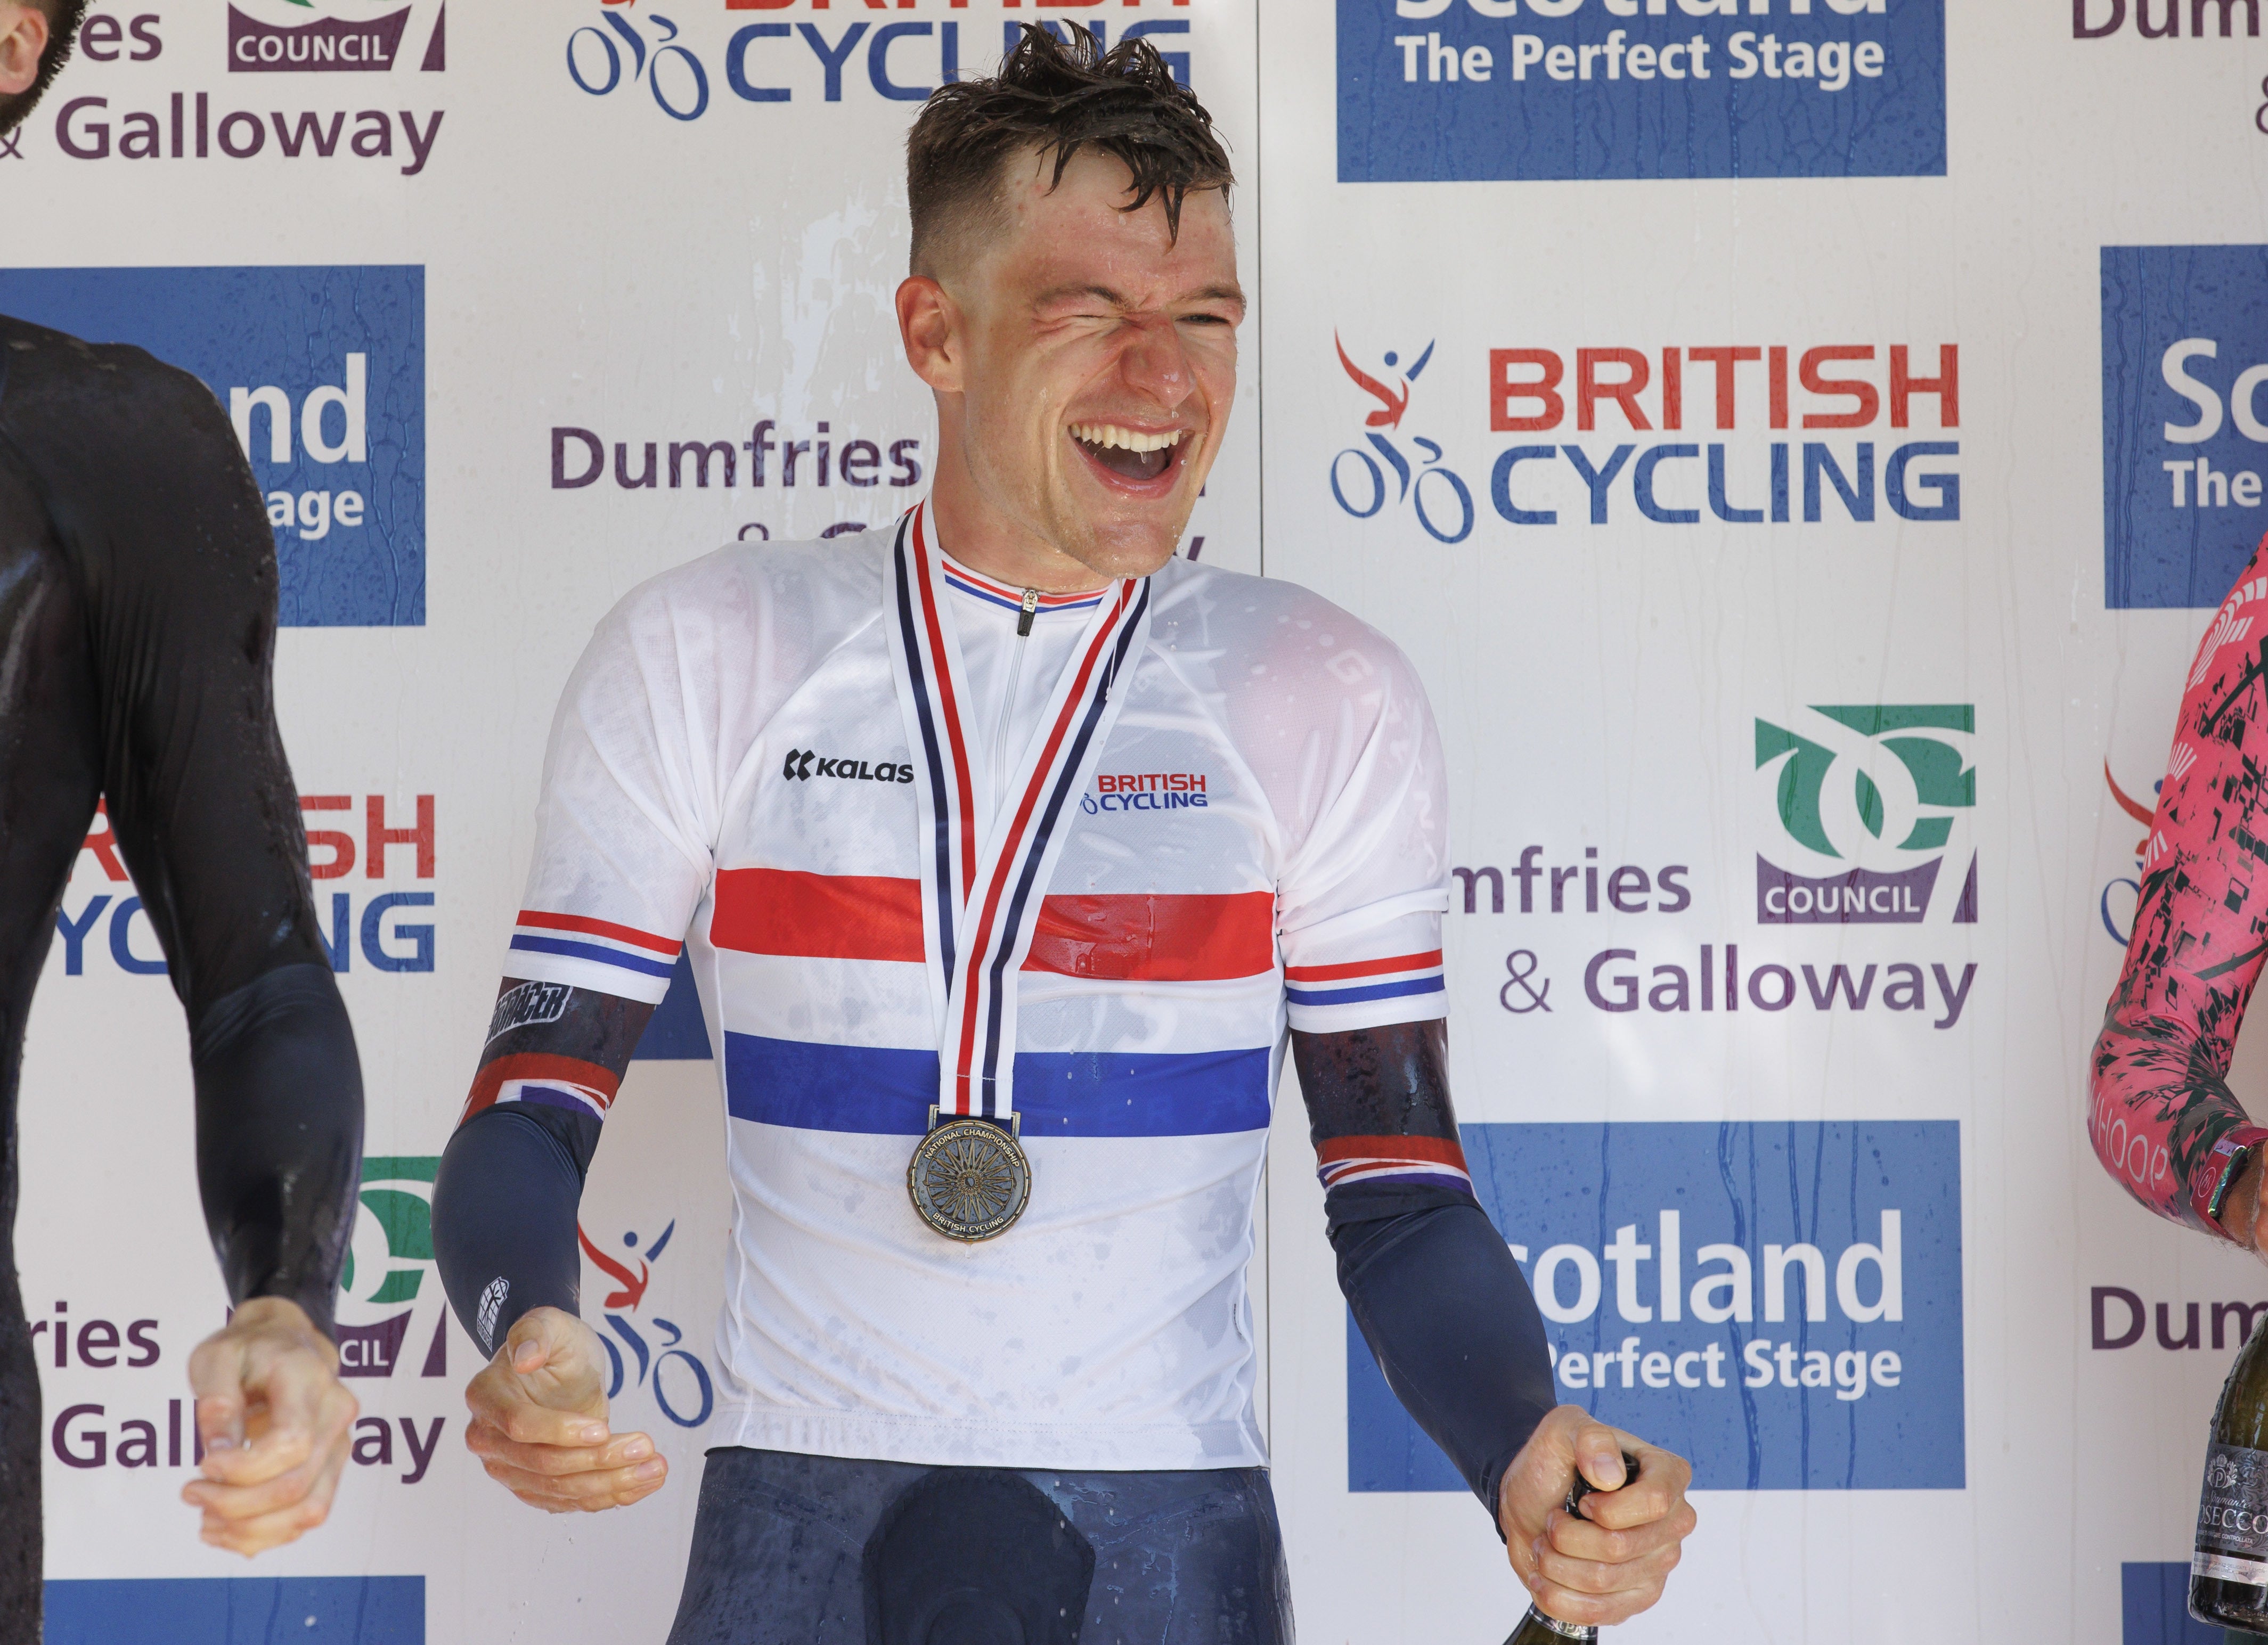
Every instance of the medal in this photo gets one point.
(982, 884)
(970, 1178)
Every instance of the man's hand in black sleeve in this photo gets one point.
(1449, 1316)
(504, 1238)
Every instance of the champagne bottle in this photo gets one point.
(2228, 1573)
(1537, 1628)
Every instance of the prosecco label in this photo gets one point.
(2233, 1516)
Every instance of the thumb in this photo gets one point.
(1599, 1454)
(550, 1353)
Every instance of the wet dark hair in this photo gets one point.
(1057, 98)
(64, 17)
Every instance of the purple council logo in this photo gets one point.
(1869, 804)
(284, 37)
(1359, 484)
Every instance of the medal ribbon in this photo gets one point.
(982, 887)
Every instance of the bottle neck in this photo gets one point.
(1563, 1630)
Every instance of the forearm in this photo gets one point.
(1448, 1314)
(510, 1182)
(279, 1112)
(2163, 1119)
(504, 1207)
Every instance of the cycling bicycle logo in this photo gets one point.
(680, 101)
(671, 1364)
(1448, 501)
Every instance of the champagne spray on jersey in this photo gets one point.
(982, 884)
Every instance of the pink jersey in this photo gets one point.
(2162, 1117)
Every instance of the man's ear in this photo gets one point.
(930, 323)
(23, 40)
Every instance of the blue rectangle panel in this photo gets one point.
(1728, 1225)
(322, 370)
(238, 1611)
(1438, 91)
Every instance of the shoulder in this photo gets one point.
(804, 585)
(1260, 638)
(58, 383)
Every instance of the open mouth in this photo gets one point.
(1127, 453)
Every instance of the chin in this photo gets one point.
(1123, 552)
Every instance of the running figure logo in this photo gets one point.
(1437, 495)
(1868, 805)
(673, 1367)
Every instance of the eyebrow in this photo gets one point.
(1119, 301)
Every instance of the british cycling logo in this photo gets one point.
(678, 1379)
(1867, 805)
(1364, 482)
(283, 36)
(775, 61)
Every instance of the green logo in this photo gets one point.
(394, 1229)
(1866, 803)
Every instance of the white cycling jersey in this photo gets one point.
(1086, 874)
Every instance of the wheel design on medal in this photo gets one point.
(968, 1179)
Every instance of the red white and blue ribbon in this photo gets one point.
(985, 873)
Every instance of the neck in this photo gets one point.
(971, 528)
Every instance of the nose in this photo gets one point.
(1153, 364)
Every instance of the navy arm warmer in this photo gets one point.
(504, 1203)
(1446, 1311)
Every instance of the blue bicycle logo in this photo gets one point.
(672, 104)
(700, 1398)
(1409, 482)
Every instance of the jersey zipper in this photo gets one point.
(1008, 698)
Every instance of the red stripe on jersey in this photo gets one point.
(1136, 938)
(1361, 968)
(537, 1065)
(1438, 1150)
(1156, 938)
(817, 916)
(631, 935)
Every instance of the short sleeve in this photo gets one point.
(1359, 905)
(626, 827)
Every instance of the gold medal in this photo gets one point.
(970, 1179)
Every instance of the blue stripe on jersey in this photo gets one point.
(1352, 996)
(1017, 605)
(889, 1092)
(591, 951)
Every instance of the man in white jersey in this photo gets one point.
(1005, 848)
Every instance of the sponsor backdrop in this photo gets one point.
(1799, 442)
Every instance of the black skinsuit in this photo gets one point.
(137, 625)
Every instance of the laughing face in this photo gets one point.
(1084, 362)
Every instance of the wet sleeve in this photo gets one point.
(1361, 899)
(1432, 1287)
(624, 833)
(2160, 1114)
(147, 488)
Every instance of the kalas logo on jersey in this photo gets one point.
(322, 372)
(1868, 806)
(2184, 354)
(1468, 90)
(285, 36)
(804, 764)
(1779, 1303)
